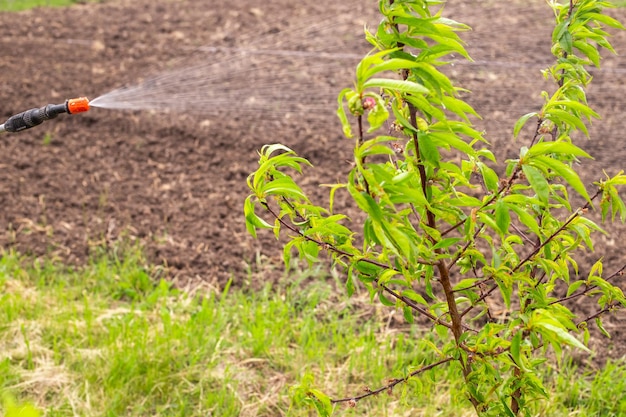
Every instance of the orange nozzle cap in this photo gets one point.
(77, 105)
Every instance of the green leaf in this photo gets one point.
(384, 300)
(428, 150)
(402, 86)
(601, 327)
(507, 409)
(561, 334)
(606, 19)
(341, 113)
(322, 402)
(378, 115)
(440, 33)
(567, 173)
(489, 176)
(408, 314)
(526, 218)
(617, 205)
(268, 164)
(488, 220)
(369, 62)
(574, 286)
(521, 122)
(559, 147)
(393, 64)
(503, 218)
(386, 276)
(465, 283)
(589, 51)
(447, 139)
(430, 76)
(268, 150)
(400, 241)
(458, 107)
(366, 268)
(284, 186)
(583, 233)
(413, 296)
(575, 106)
(538, 182)
(442, 331)
(377, 146)
(516, 343)
(309, 251)
(566, 42)
(404, 122)
(253, 221)
(503, 279)
(350, 286)
(560, 30)
(445, 243)
(406, 194)
(426, 106)
(558, 116)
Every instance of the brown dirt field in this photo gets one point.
(177, 182)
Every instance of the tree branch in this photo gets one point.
(332, 248)
(574, 216)
(599, 313)
(620, 272)
(389, 387)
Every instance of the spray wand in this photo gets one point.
(34, 117)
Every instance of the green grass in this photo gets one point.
(111, 339)
(602, 392)
(16, 5)
(114, 339)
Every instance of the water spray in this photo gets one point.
(34, 117)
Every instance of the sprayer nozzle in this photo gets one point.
(77, 105)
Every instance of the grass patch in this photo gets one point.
(114, 339)
(17, 5)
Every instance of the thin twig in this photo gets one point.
(338, 251)
(464, 248)
(619, 272)
(411, 303)
(574, 216)
(393, 383)
(359, 119)
(606, 309)
(522, 234)
(453, 227)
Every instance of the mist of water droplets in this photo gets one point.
(277, 75)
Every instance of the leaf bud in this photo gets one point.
(397, 147)
(422, 125)
(368, 103)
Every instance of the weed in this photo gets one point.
(47, 139)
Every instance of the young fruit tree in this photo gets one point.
(447, 232)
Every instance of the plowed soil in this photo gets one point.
(176, 182)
